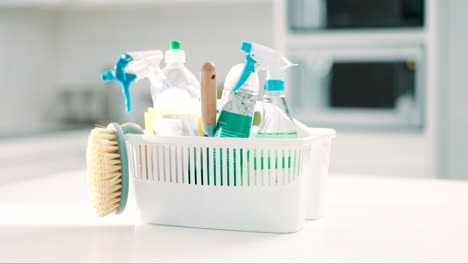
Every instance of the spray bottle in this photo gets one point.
(175, 90)
(276, 119)
(236, 116)
(134, 66)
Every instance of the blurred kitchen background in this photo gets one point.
(388, 75)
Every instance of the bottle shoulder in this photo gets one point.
(181, 72)
(276, 118)
(182, 77)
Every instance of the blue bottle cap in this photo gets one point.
(274, 85)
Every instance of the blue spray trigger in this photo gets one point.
(108, 76)
(124, 78)
(249, 67)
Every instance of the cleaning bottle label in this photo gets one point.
(235, 120)
(233, 125)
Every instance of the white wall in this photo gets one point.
(27, 74)
(453, 93)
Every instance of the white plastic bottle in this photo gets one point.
(177, 100)
(236, 116)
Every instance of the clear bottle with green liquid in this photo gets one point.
(276, 119)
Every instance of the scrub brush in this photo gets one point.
(107, 164)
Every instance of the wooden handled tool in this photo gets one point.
(208, 98)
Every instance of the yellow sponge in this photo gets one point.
(149, 121)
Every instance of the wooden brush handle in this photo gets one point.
(208, 96)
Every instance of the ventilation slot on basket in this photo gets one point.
(208, 166)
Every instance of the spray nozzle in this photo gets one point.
(262, 58)
(249, 68)
(133, 66)
(246, 46)
(124, 78)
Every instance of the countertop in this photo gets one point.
(368, 219)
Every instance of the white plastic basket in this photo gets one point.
(248, 184)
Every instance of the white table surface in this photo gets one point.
(368, 219)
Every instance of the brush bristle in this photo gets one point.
(104, 175)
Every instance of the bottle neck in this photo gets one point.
(175, 64)
(174, 56)
(280, 93)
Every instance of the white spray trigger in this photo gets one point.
(263, 58)
(288, 63)
(143, 62)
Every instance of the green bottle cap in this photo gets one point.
(175, 44)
